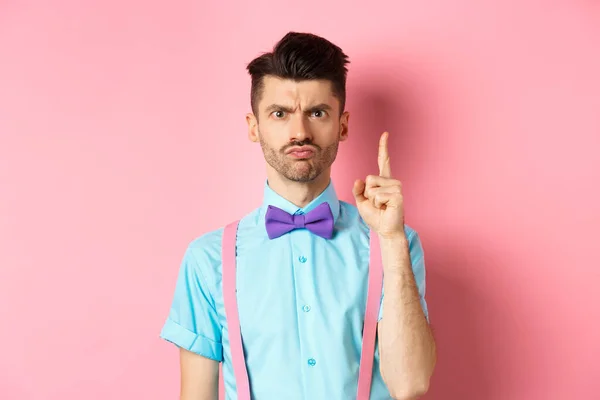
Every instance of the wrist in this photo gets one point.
(395, 252)
(398, 240)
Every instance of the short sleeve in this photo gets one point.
(418, 266)
(193, 322)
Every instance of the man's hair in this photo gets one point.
(300, 56)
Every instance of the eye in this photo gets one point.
(319, 113)
(278, 114)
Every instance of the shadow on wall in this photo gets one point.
(380, 102)
(466, 365)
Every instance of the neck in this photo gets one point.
(298, 193)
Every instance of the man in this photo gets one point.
(301, 261)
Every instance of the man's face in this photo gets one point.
(298, 126)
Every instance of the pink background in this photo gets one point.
(122, 131)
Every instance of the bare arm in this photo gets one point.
(199, 377)
(406, 344)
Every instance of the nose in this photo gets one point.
(300, 129)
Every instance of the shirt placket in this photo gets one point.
(303, 264)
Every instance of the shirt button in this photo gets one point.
(311, 362)
(302, 259)
(306, 308)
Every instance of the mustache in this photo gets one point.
(296, 143)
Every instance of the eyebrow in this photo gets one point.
(273, 107)
(318, 107)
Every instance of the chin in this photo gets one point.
(303, 177)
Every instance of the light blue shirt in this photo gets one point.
(301, 301)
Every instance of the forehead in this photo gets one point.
(296, 93)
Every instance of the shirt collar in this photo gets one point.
(329, 196)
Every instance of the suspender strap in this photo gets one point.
(233, 322)
(371, 317)
(231, 311)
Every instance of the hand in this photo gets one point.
(379, 198)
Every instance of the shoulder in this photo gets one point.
(206, 246)
(411, 233)
(205, 250)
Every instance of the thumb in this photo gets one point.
(358, 190)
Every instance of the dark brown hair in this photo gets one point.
(300, 56)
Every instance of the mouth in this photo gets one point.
(301, 152)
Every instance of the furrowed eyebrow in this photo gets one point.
(278, 107)
(319, 107)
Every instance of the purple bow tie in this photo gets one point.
(319, 221)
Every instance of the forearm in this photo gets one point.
(199, 377)
(406, 344)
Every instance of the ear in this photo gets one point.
(252, 127)
(344, 126)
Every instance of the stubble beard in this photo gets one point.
(300, 170)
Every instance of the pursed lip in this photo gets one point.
(300, 149)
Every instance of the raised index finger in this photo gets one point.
(383, 159)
